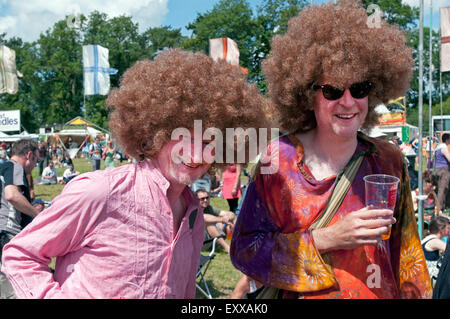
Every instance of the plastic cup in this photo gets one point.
(229, 233)
(381, 193)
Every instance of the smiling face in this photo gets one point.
(342, 117)
(177, 164)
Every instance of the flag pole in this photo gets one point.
(440, 87)
(420, 202)
(430, 87)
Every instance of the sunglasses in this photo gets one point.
(203, 198)
(357, 90)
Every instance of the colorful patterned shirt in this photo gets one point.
(272, 244)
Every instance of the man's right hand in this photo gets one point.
(359, 228)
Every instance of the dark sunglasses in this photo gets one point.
(203, 198)
(357, 90)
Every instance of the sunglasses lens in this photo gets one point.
(357, 90)
(331, 93)
(360, 90)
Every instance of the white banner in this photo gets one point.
(9, 121)
(445, 39)
(8, 74)
(224, 48)
(96, 70)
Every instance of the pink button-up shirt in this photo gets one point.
(112, 234)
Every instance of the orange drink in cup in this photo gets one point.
(381, 193)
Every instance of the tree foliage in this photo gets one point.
(51, 89)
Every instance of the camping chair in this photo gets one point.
(205, 261)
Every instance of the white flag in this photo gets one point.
(224, 48)
(8, 73)
(96, 70)
(445, 39)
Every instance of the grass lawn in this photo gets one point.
(221, 275)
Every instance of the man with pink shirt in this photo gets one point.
(136, 231)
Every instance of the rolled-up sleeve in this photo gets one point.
(64, 227)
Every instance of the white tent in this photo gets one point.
(73, 140)
(17, 137)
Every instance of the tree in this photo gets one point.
(413, 93)
(396, 12)
(228, 18)
(158, 39)
(272, 19)
(126, 46)
(23, 100)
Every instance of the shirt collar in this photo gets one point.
(157, 176)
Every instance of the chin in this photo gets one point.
(184, 179)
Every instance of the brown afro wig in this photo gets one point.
(334, 41)
(178, 87)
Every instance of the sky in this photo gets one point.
(28, 18)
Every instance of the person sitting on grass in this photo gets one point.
(49, 174)
(69, 174)
(216, 221)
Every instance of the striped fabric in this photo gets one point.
(224, 48)
(445, 39)
(8, 74)
(96, 70)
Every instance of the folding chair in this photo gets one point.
(205, 261)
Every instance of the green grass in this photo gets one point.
(221, 275)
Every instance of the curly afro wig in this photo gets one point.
(334, 41)
(178, 87)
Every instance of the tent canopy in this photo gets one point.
(76, 133)
(17, 137)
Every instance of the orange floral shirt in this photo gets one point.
(272, 242)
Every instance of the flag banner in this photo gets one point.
(224, 48)
(96, 70)
(445, 39)
(8, 73)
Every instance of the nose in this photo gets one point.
(347, 99)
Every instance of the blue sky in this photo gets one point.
(182, 12)
(28, 18)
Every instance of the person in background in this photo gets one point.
(231, 185)
(433, 244)
(216, 221)
(95, 151)
(109, 154)
(431, 204)
(136, 231)
(43, 156)
(69, 174)
(49, 174)
(67, 161)
(15, 198)
(3, 156)
(442, 169)
(325, 77)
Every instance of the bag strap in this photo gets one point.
(339, 192)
